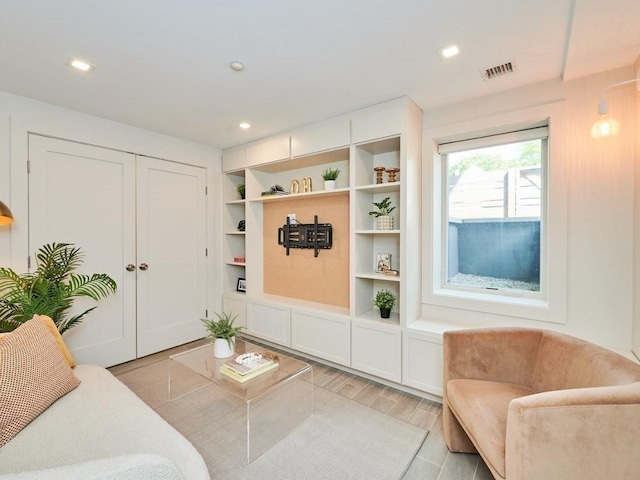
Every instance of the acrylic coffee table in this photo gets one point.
(273, 403)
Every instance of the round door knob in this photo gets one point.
(144, 266)
(131, 267)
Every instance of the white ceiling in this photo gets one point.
(163, 65)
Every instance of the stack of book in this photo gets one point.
(249, 365)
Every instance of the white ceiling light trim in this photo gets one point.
(79, 64)
(237, 66)
(244, 125)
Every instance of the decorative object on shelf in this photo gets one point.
(240, 189)
(241, 286)
(306, 235)
(306, 185)
(379, 171)
(241, 225)
(240, 259)
(51, 289)
(391, 273)
(392, 174)
(384, 300)
(330, 176)
(383, 262)
(384, 220)
(222, 333)
(294, 187)
(275, 190)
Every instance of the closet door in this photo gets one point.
(86, 195)
(171, 254)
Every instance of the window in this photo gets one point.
(495, 218)
(494, 196)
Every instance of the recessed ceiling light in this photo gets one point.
(81, 65)
(244, 125)
(450, 51)
(237, 66)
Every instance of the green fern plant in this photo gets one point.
(221, 328)
(51, 289)
(384, 208)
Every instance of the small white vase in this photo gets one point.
(222, 349)
(329, 184)
(384, 222)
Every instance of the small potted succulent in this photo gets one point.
(385, 300)
(384, 220)
(222, 333)
(240, 189)
(329, 176)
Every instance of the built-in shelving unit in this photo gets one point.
(384, 136)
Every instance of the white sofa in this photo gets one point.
(100, 430)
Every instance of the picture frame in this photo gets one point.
(241, 286)
(383, 262)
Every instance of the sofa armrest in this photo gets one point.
(499, 355)
(588, 433)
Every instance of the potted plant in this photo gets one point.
(385, 300)
(51, 289)
(240, 189)
(222, 333)
(329, 176)
(384, 220)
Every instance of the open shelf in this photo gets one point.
(297, 196)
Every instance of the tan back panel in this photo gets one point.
(322, 279)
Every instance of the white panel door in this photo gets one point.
(86, 195)
(171, 243)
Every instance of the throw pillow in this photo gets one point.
(33, 375)
(51, 326)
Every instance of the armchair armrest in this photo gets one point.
(499, 355)
(587, 433)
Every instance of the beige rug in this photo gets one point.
(341, 440)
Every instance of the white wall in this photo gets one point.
(636, 242)
(600, 189)
(19, 115)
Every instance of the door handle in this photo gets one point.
(143, 266)
(131, 267)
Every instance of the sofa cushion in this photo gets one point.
(33, 375)
(481, 407)
(51, 326)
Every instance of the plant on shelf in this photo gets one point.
(222, 333)
(51, 289)
(329, 176)
(275, 190)
(384, 300)
(240, 189)
(384, 220)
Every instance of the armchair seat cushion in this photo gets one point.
(484, 406)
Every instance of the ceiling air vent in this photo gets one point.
(498, 71)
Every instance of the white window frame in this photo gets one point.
(550, 304)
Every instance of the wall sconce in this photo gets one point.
(607, 126)
(6, 218)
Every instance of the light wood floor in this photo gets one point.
(432, 462)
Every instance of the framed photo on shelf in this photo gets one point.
(241, 285)
(383, 262)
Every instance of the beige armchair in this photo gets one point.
(540, 405)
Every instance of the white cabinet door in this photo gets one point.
(377, 124)
(271, 322)
(322, 335)
(423, 362)
(376, 348)
(171, 242)
(318, 138)
(269, 150)
(233, 159)
(86, 195)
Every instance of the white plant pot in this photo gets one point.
(329, 184)
(384, 222)
(222, 349)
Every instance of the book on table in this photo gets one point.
(249, 365)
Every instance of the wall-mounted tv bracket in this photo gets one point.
(306, 235)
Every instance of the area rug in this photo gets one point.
(341, 440)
